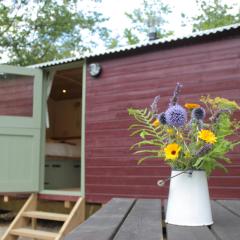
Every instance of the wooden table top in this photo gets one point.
(143, 219)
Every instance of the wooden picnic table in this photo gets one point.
(142, 219)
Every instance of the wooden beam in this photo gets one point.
(76, 217)
(19, 221)
(5, 199)
(35, 234)
(67, 204)
(69, 79)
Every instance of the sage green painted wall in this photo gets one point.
(20, 139)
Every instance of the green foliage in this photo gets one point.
(222, 129)
(32, 32)
(131, 38)
(149, 135)
(215, 14)
(150, 16)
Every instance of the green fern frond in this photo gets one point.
(220, 165)
(149, 131)
(153, 142)
(136, 126)
(141, 160)
(146, 151)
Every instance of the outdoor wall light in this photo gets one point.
(95, 69)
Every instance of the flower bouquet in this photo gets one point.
(193, 140)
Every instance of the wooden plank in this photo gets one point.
(104, 223)
(19, 222)
(37, 234)
(76, 217)
(125, 189)
(143, 170)
(143, 222)
(226, 224)
(223, 181)
(53, 197)
(52, 157)
(175, 232)
(104, 100)
(232, 205)
(170, 57)
(104, 198)
(46, 215)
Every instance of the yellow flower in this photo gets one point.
(191, 105)
(172, 151)
(170, 131)
(207, 135)
(156, 123)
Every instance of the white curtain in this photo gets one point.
(50, 76)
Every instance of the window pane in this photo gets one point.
(16, 95)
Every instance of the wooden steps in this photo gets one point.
(37, 234)
(24, 224)
(46, 215)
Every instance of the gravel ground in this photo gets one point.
(51, 227)
(3, 227)
(6, 217)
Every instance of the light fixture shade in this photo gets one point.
(95, 69)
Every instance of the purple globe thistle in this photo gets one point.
(198, 113)
(162, 118)
(176, 116)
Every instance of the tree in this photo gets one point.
(151, 16)
(38, 31)
(131, 38)
(214, 14)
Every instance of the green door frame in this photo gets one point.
(48, 72)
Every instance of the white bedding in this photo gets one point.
(62, 149)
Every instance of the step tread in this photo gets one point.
(46, 215)
(30, 233)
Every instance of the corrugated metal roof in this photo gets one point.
(139, 45)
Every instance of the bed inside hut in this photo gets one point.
(63, 133)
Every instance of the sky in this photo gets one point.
(118, 21)
(115, 10)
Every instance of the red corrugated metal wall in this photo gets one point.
(133, 81)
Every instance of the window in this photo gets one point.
(16, 95)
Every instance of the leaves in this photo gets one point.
(213, 14)
(152, 136)
(32, 33)
(150, 16)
